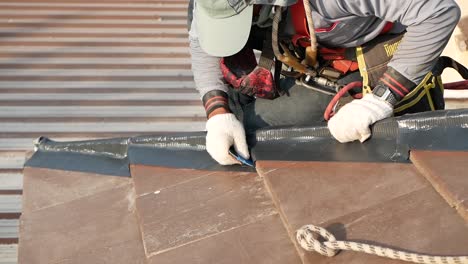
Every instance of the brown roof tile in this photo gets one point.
(419, 221)
(100, 228)
(197, 216)
(447, 172)
(262, 242)
(381, 203)
(322, 191)
(195, 209)
(146, 179)
(47, 187)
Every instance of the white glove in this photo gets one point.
(353, 120)
(224, 130)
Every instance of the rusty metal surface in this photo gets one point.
(82, 69)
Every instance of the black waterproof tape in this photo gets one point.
(179, 150)
(72, 161)
(391, 141)
(178, 158)
(112, 148)
(113, 156)
(329, 150)
(439, 130)
(317, 144)
(178, 141)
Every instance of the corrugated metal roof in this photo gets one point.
(81, 69)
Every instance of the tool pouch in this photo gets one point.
(374, 56)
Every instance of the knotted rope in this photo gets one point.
(330, 247)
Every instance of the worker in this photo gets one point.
(221, 29)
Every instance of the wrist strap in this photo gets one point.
(215, 99)
(398, 84)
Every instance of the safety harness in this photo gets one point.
(323, 69)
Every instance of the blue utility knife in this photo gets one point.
(246, 162)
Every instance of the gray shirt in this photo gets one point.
(350, 23)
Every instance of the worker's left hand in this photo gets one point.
(353, 120)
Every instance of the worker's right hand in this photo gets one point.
(223, 131)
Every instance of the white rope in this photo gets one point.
(330, 247)
(274, 33)
(310, 24)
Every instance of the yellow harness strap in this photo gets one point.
(366, 89)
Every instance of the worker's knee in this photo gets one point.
(298, 106)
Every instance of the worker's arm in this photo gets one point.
(223, 128)
(429, 24)
(206, 70)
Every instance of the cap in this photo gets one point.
(223, 29)
(223, 26)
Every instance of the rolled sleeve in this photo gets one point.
(205, 68)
